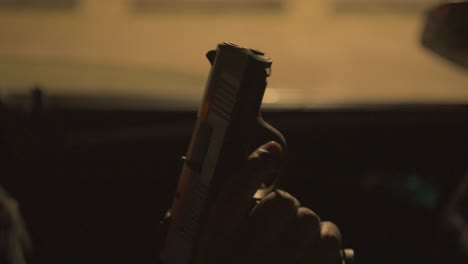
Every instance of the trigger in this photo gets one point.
(211, 55)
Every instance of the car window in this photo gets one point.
(324, 52)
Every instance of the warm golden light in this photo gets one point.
(331, 56)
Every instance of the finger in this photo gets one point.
(327, 250)
(267, 223)
(261, 164)
(233, 202)
(299, 235)
(331, 242)
(234, 199)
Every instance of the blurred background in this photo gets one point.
(98, 99)
(325, 52)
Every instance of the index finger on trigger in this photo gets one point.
(234, 199)
(263, 163)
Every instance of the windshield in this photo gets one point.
(325, 52)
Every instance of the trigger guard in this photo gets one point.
(267, 133)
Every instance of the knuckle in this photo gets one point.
(285, 200)
(280, 202)
(330, 234)
(288, 199)
(309, 220)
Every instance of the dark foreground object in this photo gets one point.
(93, 184)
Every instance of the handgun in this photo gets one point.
(228, 127)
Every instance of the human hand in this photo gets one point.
(276, 230)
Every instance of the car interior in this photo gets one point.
(94, 166)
